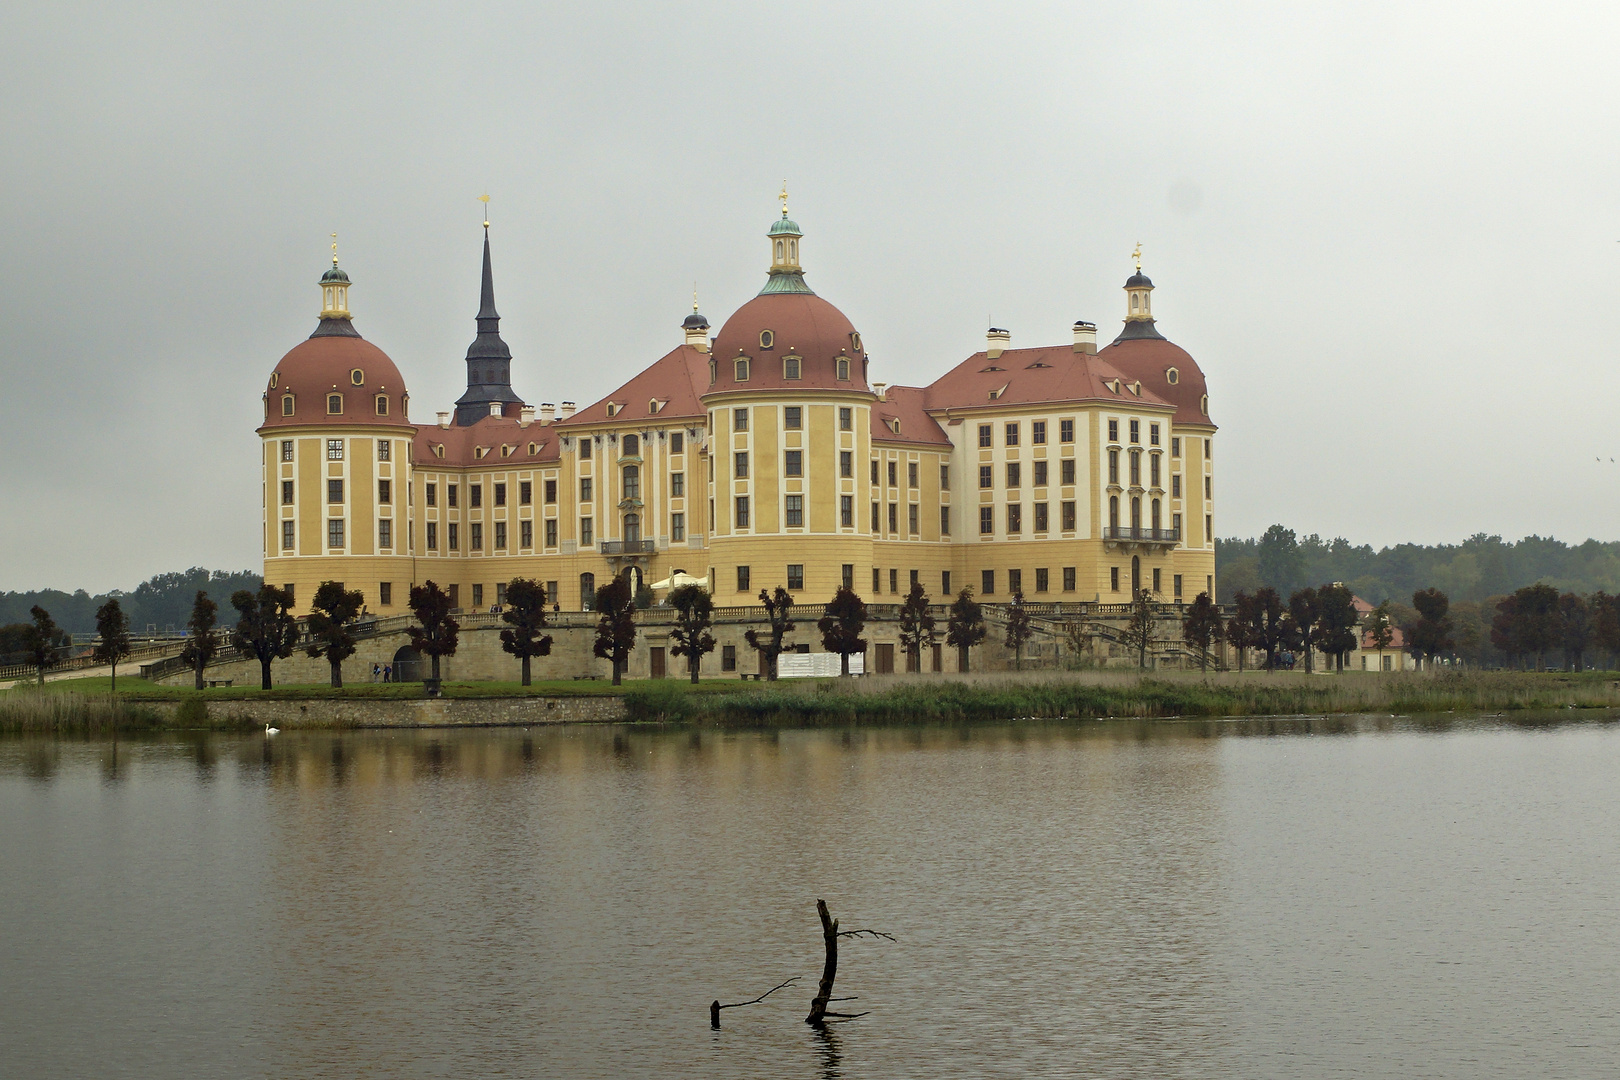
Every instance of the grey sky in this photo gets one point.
(1386, 231)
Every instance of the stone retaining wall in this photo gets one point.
(441, 712)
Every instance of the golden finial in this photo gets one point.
(783, 197)
(484, 198)
(334, 249)
(1137, 255)
(694, 298)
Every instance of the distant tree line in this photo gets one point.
(164, 600)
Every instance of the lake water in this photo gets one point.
(1346, 898)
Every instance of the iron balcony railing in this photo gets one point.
(626, 547)
(1139, 535)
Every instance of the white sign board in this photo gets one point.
(816, 665)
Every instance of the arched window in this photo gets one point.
(793, 251)
(382, 404)
(742, 369)
(334, 404)
(843, 369)
(631, 446)
(1113, 511)
(632, 528)
(587, 592)
(779, 251)
(286, 405)
(632, 482)
(713, 371)
(1133, 301)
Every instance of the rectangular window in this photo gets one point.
(792, 415)
(912, 519)
(846, 418)
(334, 449)
(1209, 528)
(287, 534)
(286, 493)
(987, 582)
(677, 485)
(286, 449)
(1136, 468)
(790, 367)
(1068, 471)
(1040, 474)
(552, 594)
(500, 494)
(385, 533)
(987, 520)
(1153, 434)
(846, 464)
(1156, 583)
(894, 519)
(677, 528)
(500, 594)
(1113, 466)
(1066, 431)
(1136, 431)
(740, 463)
(795, 576)
(1011, 435)
(795, 511)
(1040, 517)
(987, 476)
(1015, 581)
(1037, 432)
(1207, 487)
(1068, 579)
(478, 596)
(877, 581)
(742, 579)
(587, 534)
(1175, 446)
(742, 511)
(877, 518)
(454, 537)
(500, 536)
(1175, 526)
(728, 658)
(892, 467)
(1153, 470)
(382, 449)
(677, 442)
(944, 477)
(585, 489)
(385, 491)
(1015, 474)
(945, 583)
(585, 448)
(911, 474)
(874, 472)
(894, 581)
(334, 491)
(433, 535)
(1113, 578)
(1015, 518)
(385, 593)
(739, 419)
(984, 434)
(1175, 585)
(455, 595)
(793, 463)
(433, 494)
(476, 530)
(944, 521)
(846, 511)
(848, 578)
(1068, 515)
(334, 532)
(526, 533)
(1113, 431)
(475, 495)
(1175, 485)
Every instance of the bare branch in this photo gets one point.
(870, 933)
(715, 1006)
(846, 1017)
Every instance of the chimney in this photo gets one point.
(567, 409)
(880, 389)
(996, 342)
(1085, 337)
(526, 416)
(444, 419)
(698, 337)
(548, 412)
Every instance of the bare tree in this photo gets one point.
(1141, 628)
(829, 969)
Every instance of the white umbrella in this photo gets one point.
(679, 578)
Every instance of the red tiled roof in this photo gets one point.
(1054, 373)
(321, 365)
(674, 380)
(493, 432)
(905, 404)
(1150, 360)
(1398, 641)
(801, 324)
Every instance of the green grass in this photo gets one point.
(134, 688)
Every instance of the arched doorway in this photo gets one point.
(408, 666)
(1136, 576)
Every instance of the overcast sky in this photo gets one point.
(1387, 232)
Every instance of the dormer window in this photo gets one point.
(741, 364)
(334, 404)
(1172, 376)
(790, 367)
(382, 404)
(275, 378)
(713, 371)
(654, 405)
(767, 339)
(438, 450)
(286, 404)
(611, 408)
(1203, 404)
(843, 369)
(506, 451)
(357, 377)
(480, 451)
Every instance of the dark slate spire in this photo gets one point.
(489, 361)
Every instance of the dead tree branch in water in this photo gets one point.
(715, 1006)
(819, 1015)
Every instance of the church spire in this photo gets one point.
(489, 360)
(1139, 304)
(335, 318)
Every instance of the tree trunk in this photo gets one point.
(829, 970)
(843, 665)
(615, 671)
(435, 667)
(114, 677)
(692, 665)
(337, 673)
(770, 669)
(962, 658)
(264, 672)
(525, 671)
(199, 673)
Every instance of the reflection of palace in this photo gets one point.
(766, 456)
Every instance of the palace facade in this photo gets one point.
(765, 455)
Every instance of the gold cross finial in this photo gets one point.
(1137, 255)
(334, 249)
(783, 197)
(484, 198)
(694, 298)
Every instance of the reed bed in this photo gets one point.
(62, 713)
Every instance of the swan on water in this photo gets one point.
(268, 730)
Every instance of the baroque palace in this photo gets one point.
(766, 455)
